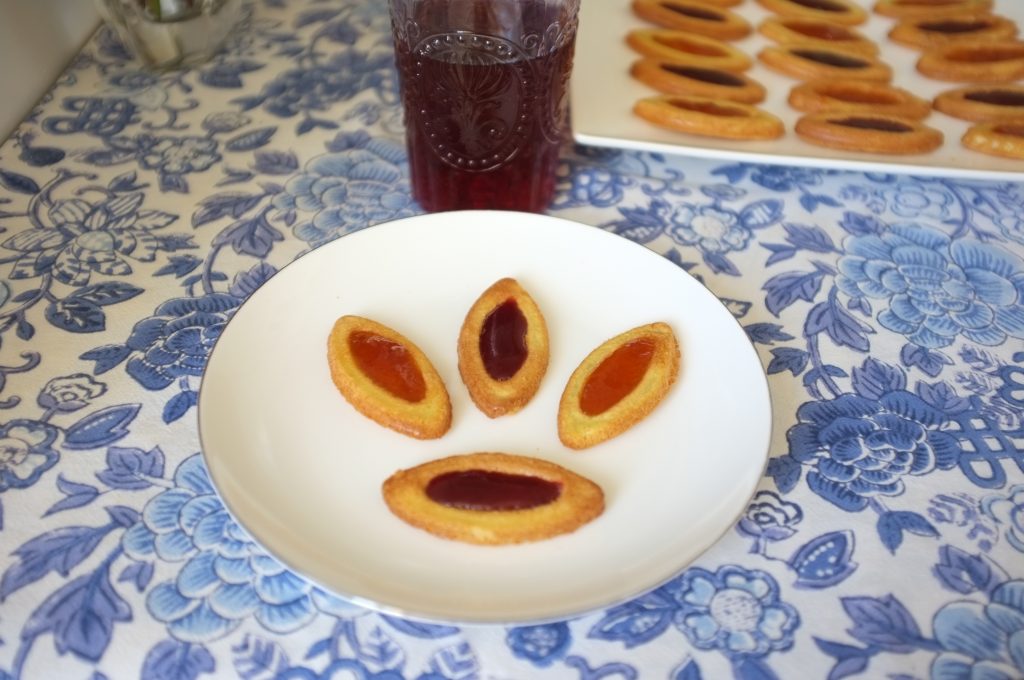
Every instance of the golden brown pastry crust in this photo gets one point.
(428, 418)
(579, 501)
(1004, 138)
(672, 78)
(981, 103)
(694, 16)
(868, 133)
(578, 430)
(687, 48)
(982, 61)
(816, 33)
(857, 96)
(500, 397)
(718, 118)
(812, 63)
(902, 9)
(930, 32)
(842, 12)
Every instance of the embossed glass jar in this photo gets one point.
(485, 88)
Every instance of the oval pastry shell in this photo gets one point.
(501, 397)
(428, 418)
(579, 501)
(577, 430)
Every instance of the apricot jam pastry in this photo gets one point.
(719, 118)
(982, 103)
(493, 498)
(687, 49)
(858, 96)
(902, 9)
(868, 133)
(813, 63)
(387, 378)
(816, 33)
(503, 349)
(672, 78)
(929, 32)
(1003, 138)
(697, 16)
(617, 385)
(843, 12)
(981, 61)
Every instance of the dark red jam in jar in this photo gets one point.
(491, 491)
(388, 364)
(503, 347)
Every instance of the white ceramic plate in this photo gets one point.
(603, 94)
(301, 470)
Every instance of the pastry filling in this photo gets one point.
(694, 12)
(616, 376)
(704, 75)
(831, 58)
(820, 31)
(997, 97)
(926, 3)
(492, 491)
(987, 54)
(709, 108)
(878, 124)
(953, 26)
(1011, 129)
(822, 5)
(855, 96)
(388, 364)
(690, 47)
(503, 340)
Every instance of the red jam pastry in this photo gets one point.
(982, 61)
(618, 385)
(901, 9)
(816, 63)
(719, 118)
(672, 78)
(687, 49)
(696, 16)
(387, 378)
(982, 103)
(503, 349)
(868, 133)
(816, 33)
(857, 96)
(493, 498)
(1003, 138)
(845, 12)
(929, 31)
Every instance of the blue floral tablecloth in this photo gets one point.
(139, 210)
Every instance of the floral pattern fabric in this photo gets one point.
(139, 210)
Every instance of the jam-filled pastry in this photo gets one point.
(493, 498)
(901, 9)
(688, 49)
(844, 12)
(816, 33)
(814, 63)
(982, 61)
(982, 103)
(617, 385)
(696, 16)
(503, 349)
(387, 378)
(1003, 138)
(672, 78)
(868, 133)
(858, 96)
(719, 118)
(929, 31)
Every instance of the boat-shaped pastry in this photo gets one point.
(618, 385)
(387, 378)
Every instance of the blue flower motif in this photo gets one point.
(862, 448)
(225, 121)
(982, 641)
(225, 577)
(712, 229)
(351, 188)
(88, 237)
(769, 517)
(26, 452)
(735, 610)
(541, 645)
(177, 340)
(179, 155)
(70, 393)
(784, 178)
(937, 289)
(1008, 511)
